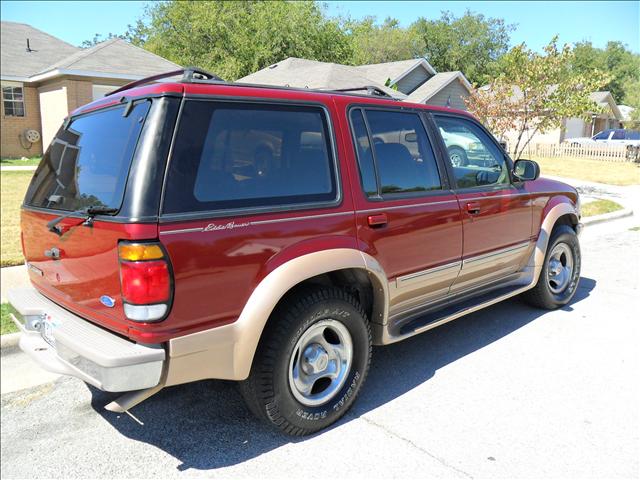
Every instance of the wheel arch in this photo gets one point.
(227, 352)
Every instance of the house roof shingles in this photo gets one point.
(15, 61)
(302, 73)
(381, 72)
(117, 57)
(112, 57)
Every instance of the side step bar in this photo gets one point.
(452, 312)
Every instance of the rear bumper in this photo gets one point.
(76, 347)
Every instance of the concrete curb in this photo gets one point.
(9, 341)
(625, 212)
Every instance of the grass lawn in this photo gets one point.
(13, 186)
(15, 162)
(6, 324)
(613, 173)
(599, 207)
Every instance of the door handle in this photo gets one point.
(473, 208)
(377, 220)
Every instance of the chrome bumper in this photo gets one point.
(64, 343)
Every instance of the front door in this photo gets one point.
(496, 212)
(406, 216)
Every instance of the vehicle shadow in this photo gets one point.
(206, 425)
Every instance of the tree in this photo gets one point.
(233, 39)
(97, 38)
(387, 42)
(534, 92)
(472, 43)
(615, 58)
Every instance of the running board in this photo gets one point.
(451, 312)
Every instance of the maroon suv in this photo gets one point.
(200, 229)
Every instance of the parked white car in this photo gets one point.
(616, 136)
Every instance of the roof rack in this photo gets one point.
(371, 90)
(189, 75)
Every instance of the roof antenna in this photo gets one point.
(28, 46)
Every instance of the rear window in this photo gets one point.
(87, 164)
(229, 155)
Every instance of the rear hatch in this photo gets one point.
(91, 162)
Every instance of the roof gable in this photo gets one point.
(16, 61)
(435, 84)
(395, 71)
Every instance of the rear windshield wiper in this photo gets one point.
(87, 217)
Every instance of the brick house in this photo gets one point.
(44, 78)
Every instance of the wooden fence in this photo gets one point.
(605, 153)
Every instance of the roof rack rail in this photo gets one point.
(371, 90)
(189, 75)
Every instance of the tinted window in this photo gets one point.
(475, 158)
(88, 163)
(633, 135)
(403, 154)
(602, 135)
(618, 135)
(237, 155)
(363, 150)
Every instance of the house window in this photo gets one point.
(13, 101)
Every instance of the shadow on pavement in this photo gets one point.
(206, 426)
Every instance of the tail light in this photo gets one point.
(145, 281)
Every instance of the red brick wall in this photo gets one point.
(12, 127)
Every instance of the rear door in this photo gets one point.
(407, 218)
(87, 164)
(496, 213)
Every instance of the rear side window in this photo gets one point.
(230, 155)
(87, 164)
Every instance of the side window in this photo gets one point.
(402, 152)
(618, 135)
(604, 135)
(231, 155)
(475, 158)
(364, 154)
(633, 135)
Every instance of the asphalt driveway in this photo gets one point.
(507, 392)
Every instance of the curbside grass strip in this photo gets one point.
(625, 212)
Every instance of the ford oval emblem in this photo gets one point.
(107, 301)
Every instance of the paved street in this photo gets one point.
(507, 392)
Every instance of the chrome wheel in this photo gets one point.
(320, 362)
(560, 268)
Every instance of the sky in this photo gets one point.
(536, 22)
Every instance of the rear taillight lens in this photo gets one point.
(145, 280)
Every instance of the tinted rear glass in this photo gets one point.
(88, 163)
(633, 135)
(229, 155)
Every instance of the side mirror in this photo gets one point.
(503, 144)
(526, 170)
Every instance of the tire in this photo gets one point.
(458, 156)
(558, 281)
(279, 368)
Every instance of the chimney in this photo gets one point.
(28, 46)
